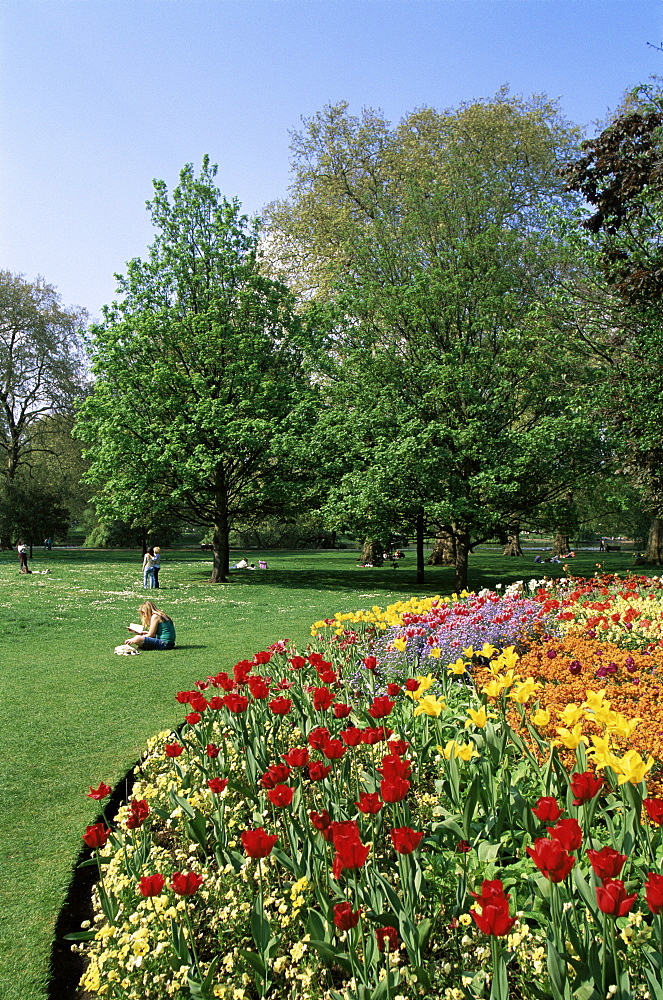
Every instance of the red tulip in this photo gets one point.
(381, 707)
(350, 852)
(612, 899)
(236, 703)
(297, 757)
(395, 767)
(333, 749)
(376, 734)
(263, 657)
(258, 687)
(607, 863)
(397, 747)
(654, 892)
(318, 771)
(280, 795)
(394, 789)
(654, 809)
(351, 737)
(585, 786)
(242, 670)
(217, 785)
(257, 843)
(322, 698)
(173, 749)
(96, 835)
(212, 750)
(345, 917)
(280, 706)
(370, 662)
(341, 710)
(405, 839)
(387, 938)
(568, 833)
(551, 859)
(216, 703)
(185, 884)
(547, 809)
(411, 684)
(151, 885)
(139, 810)
(297, 662)
(369, 803)
(192, 718)
(99, 793)
(320, 820)
(275, 775)
(494, 917)
(318, 737)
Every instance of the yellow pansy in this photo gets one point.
(540, 718)
(400, 643)
(571, 738)
(633, 768)
(523, 691)
(571, 714)
(435, 652)
(430, 705)
(457, 668)
(463, 750)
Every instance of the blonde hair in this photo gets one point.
(148, 609)
(156, 549)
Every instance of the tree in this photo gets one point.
(451, 398)
(196, 367)
(42, 372)
(619, 175)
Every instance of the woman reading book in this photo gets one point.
(157, 630)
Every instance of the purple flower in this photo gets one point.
(575, 667)
(629, 663)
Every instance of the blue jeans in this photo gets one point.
(148, 579)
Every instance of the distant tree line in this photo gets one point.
(450, 328)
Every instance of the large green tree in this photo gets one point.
(452, 401)
(196, 370)
(619, 174)
(42, 374)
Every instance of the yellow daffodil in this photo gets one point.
(400, 643)
(463, 750)
(523, 691)
(540, 718)
(571, 738)
(571, 714)
(633, 768)
(430, 705)
(457, 668)
(435, 652)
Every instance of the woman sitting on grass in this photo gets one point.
(158, 630)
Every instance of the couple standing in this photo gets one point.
(151, 567)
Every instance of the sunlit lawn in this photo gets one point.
(74, 714)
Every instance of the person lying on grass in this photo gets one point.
(157, 632)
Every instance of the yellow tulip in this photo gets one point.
(463, 750)
(478, 718)
(633, 768)
(400, 643)
(430, 705)
(540, 718)
(523, 691)
(435, 652)
(571, 714)
(571, 738)
(621, 726)
(601, 753)
(457, 668)
(594, 700)
(509, 657)
(469, 652)
(487, 650)
(495, 687)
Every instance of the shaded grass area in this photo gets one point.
(74, 714)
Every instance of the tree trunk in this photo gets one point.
(462, 539)
(512, 547)
(420, 547)
(372, 553)
(221, 553)
(654, 550)
(561, 545)
(444, 551)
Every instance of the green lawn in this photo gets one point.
(74, 714)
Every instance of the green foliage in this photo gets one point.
(196, 370)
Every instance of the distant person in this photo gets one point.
(22, 550)
(48, 543)
(158, 631)
(242, 564)
(156, 565)
(148, 570)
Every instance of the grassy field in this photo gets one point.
(74, 714)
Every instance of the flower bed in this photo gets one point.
(363, 820)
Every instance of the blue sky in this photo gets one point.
(101, 96)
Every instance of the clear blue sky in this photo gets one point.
(98, 97)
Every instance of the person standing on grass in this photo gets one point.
(148, 570)
(22, 550)
(156, 565)
(158, 629)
